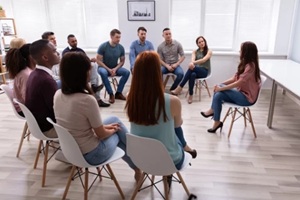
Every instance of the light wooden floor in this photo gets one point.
(242, 168)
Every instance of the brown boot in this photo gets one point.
(111, 98)
(177, 91)
(120, 96)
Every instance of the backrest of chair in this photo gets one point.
(9, 93)
(69, 146)
(31, 121)
(262, 82)
(150, 155)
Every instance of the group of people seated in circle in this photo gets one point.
(71, 99)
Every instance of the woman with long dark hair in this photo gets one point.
(198, 67)
(77, 110)
(241, 89)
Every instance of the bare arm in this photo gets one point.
(175, 65)
(105, 131)
(176, 111)
(229, 86)
(121, 63)
(99, 60)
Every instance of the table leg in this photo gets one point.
(272, 104)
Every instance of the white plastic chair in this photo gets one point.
(152, 157)
(201, 82)
(73, 154)
(38, 134)
(25, 133)
(246, 113)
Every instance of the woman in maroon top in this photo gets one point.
(242, 89)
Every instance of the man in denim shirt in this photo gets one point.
(139, 46)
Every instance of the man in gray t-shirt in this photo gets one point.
(171, 56)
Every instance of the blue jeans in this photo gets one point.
(182, 143)
(191, 75)
(231, 96)
(179, 75)
(106, 147)
(124, 73)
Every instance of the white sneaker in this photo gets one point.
(60, 157)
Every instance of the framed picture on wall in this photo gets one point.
(8, 26)
(141, 10)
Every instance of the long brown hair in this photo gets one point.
(249, 55)
(74, 72)
(145, 101)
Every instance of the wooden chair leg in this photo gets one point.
(99, 173)
(45, 164)
(22, 138)
(199, 88)
(37, 154)
(245, 116)
(69, 182)
(206, 86)
(166, 187)
(232, 121)
(115, 83)
(227, 114)
(86, 183)
(251, 122)
(115, 181)
(183, 183)
(166, 81)
(138, 186)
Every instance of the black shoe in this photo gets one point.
(96, 88)
(193, 153)
(206, 116)
(102, 103)
(213, 130)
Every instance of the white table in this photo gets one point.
(286, 74)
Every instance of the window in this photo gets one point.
(89, 20)
(225, 24)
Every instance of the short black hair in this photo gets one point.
(166, 29)
(141, 28)
(47, 34)
(70, 36)
(37, 47)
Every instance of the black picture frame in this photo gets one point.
(141, 10)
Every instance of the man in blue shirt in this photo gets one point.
(139, 46)
(111, 58)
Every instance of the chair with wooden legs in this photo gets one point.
(235, 111)
(26, 132)
(38, 134)
(168, 76)
(152, 157)
(73, 154)
(114, 81)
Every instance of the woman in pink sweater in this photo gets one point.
(242, 89)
